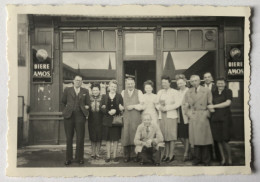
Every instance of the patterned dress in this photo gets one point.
(95, 119)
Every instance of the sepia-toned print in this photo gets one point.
(141, 92)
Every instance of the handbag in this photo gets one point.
(118, 121)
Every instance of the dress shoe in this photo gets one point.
(126, 159)
(206, 164)
(157, 164)
(93, 157)
(107, 160)
(68, 162)
(141, 163)
(195, 162)
(172, 159)
(135, 159)
(115, 159)
(81, 161)
(166, 159)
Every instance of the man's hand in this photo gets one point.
(103, 106)
(154, 143)
(86, 107)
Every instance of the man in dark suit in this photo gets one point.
(76, 102)
(209, 82)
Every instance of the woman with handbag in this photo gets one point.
(112, 107)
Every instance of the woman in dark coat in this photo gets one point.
(95, 120)
(221, 120)
(111, 105)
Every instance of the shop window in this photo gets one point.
(169, 39)
(82, 40)
(92, 66)
(68, 39)
(196, 37)
(109, 39)
(139, 44)
(188, 63)
(95, 39)
(183, 39)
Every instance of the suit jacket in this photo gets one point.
(108, 119)
(213, 88)
(142, 136)
(68, 100)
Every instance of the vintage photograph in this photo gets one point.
(131, 91)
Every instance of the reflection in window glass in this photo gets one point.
(90, 65)
(188, 63)
(139, 44)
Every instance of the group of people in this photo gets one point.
(198, 115)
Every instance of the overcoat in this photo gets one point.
(198, 115)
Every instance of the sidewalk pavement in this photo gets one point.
(54, 156)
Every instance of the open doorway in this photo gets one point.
(141, 71)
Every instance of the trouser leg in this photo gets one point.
(156, 155)
(69, 126)
(132, 151)
(127, 151)
(197, 151)
(80, 121)
(145, 155)
(206, 157)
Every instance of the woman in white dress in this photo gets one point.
(150, 101)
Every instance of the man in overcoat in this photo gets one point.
(196, 101)
(76, 102)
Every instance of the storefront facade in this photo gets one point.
(101, 49)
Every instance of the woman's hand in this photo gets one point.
(210, 106)
(163, 109)
(121, 108)
(112, 112)
(103, 107)
(130, 107)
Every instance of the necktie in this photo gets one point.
(196, 89)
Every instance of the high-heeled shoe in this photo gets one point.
(185, 158)
(166, 159)
(172, 159)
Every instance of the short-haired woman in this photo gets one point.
(95, 120)
(150, 101)
(221, 120)
(111, 105)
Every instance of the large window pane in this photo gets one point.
(188, 63)
(139, 44)
(92, 66)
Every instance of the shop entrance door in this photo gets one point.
(141, 71)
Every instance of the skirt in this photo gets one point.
(183, 129)
(111, 133)
(220, 130)
(168, 128)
